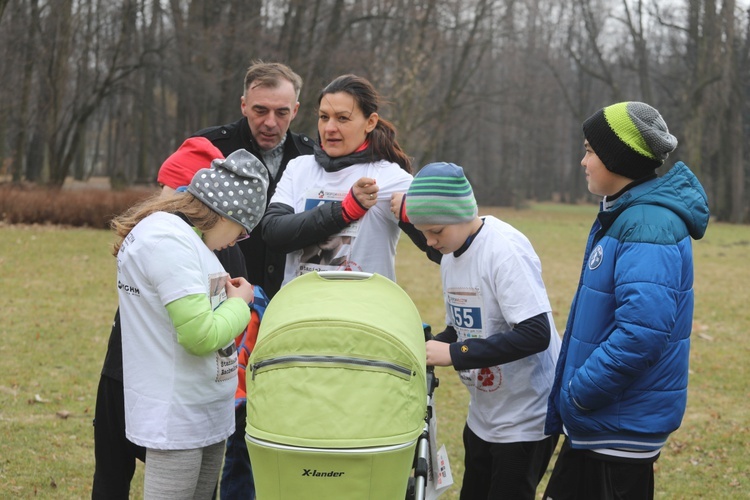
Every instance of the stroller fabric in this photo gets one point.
(336, 388)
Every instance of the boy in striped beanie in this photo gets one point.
(440, 194)
(500, 337)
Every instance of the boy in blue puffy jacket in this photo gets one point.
(621, 379)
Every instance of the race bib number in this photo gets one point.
(469, 318)
(465, 308)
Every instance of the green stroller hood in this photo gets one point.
(339, 363)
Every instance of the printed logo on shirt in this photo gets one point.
(126, 242)
(489, 379)
(226, 365)
(129, 289)
(228, 350)
(315, 197)
(334, 252)
(482, 379)
(597, 256)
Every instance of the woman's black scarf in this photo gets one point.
(335, 164)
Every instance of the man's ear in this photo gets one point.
(242, 105)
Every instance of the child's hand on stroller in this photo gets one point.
(438, 353)
(239, 287)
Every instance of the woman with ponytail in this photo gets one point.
(344, 188)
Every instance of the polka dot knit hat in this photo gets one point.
(630, 138)
(440, 194)
(234, 188)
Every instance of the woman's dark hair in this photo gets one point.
(383, 137)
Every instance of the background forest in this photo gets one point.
(111, 87)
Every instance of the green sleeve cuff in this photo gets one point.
(200, 330)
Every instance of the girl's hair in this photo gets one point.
(200, 215)
(383, 137)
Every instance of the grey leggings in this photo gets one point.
(182, 474)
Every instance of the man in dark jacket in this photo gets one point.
(269, 104)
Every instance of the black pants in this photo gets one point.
(504, 470)
(237, 474)
(114, 455)
(581, 474)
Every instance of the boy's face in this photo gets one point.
(600, 181)
(446, 238)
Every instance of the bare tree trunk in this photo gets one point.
(702, 51)
(634, 22)
(56, 84)
(599, 68)
(291, 33)
(25, 91)
(242, 41)
(184, 52)
(732, 154)
(145, 110)
(71, 108)
(465, 64)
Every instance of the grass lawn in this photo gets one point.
(58, 298)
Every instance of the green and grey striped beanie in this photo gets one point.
(440, 194)
(630, 138)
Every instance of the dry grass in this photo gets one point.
(58, 297)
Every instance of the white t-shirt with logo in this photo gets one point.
(173, 399)
(368, 244)
(489, 289)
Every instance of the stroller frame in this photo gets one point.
(418, 483)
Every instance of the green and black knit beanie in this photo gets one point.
(440, 194)
(630, 138)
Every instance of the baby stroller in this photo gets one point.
(337, 391)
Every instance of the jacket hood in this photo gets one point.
(680, 191)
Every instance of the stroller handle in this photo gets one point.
(344, 275)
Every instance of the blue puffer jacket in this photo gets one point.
(622, 375)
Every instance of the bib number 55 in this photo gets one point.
(466, 317)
